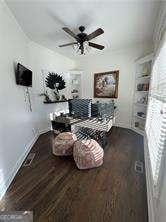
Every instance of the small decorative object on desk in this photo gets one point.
(46, 99)
(75, 96)
(74, 91)
(63, 97)
(55, 82)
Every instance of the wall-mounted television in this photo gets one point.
(23, 76)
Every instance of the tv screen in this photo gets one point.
(23, 76)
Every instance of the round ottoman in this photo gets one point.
(63, 144)
(88, 154)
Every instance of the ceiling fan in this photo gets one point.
(82, 37)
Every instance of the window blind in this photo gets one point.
(156, 115)
(158, 80)
(156, 133)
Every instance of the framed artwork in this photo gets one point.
(106, 84)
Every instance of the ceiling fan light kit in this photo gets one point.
(82, 44)
(86, 48)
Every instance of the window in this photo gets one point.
(156, 115)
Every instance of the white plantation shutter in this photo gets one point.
(158, 81)
(156, 116)
(156, 134)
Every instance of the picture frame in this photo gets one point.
(106, 84)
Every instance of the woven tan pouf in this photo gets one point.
(88, 154)
(63, 144)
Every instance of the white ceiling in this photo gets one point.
(125, 23)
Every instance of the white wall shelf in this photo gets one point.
(140, 117)
(142, 91)
(140, 100)
(143, 77)
(140, 104)
(75, 89)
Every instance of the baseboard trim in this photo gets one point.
(122, 126)
(141, 133)
(18, 165)
(44, 130)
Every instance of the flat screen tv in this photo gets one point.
(23, 76)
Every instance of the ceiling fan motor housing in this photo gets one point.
(82, 28)
(82, 37)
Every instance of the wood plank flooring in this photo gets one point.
(57, 191)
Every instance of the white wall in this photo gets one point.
(16, 121)
(44, 59)
(109, 61)
(19, 126)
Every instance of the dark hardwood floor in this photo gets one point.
(57, 191)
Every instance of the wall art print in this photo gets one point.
(106, 84)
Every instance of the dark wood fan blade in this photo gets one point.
(97, 46)
(72, 43)
(95, 34)
(70, 32)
